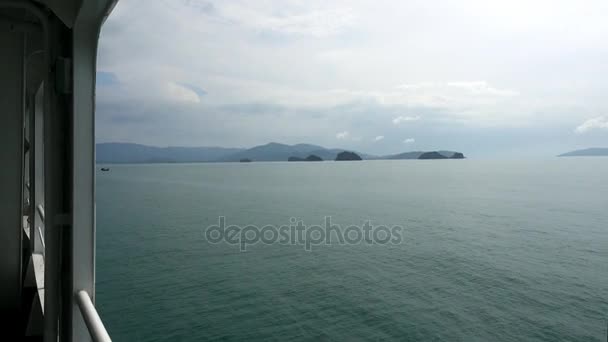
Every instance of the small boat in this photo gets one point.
(105, 169)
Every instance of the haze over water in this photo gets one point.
(491, 251)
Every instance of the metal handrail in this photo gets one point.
(41, 238)
(91, 318)
(41, 211)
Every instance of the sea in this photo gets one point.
(488, 250)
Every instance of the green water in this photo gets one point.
(491, 251)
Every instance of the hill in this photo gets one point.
(588, 152)
(311, 157)
(405, 155)
(116, 153)
(417, 154)
(432, 155)
(281, 152)
(347, 156)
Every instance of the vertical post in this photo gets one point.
(27, 144)
(38, 167)
(11, 185)
(54, 132)
(32, 170)
(86, 35)
(84, 62)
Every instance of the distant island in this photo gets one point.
(311, 157)
(417, 154)
(588, 152)
(116, 153)
(432, 155)
(347, 156)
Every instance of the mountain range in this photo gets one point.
(136, 153)
(115, 153)
(588, 152)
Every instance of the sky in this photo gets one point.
(488, 78)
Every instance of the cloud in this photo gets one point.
(105, 78)
(409, 141)
(441, 96)
(400, 119)
(300, 71)
(342, 135)
(316, 23)
(198, 90)
(180, 93)
(481, 88)
(453, 95)
(291, 19)
(345, 135)
(378, 138)
(471, 87)
(600, 122)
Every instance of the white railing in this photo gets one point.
(91, 318)
(40, 211)
(41, 239)
(38, 233)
